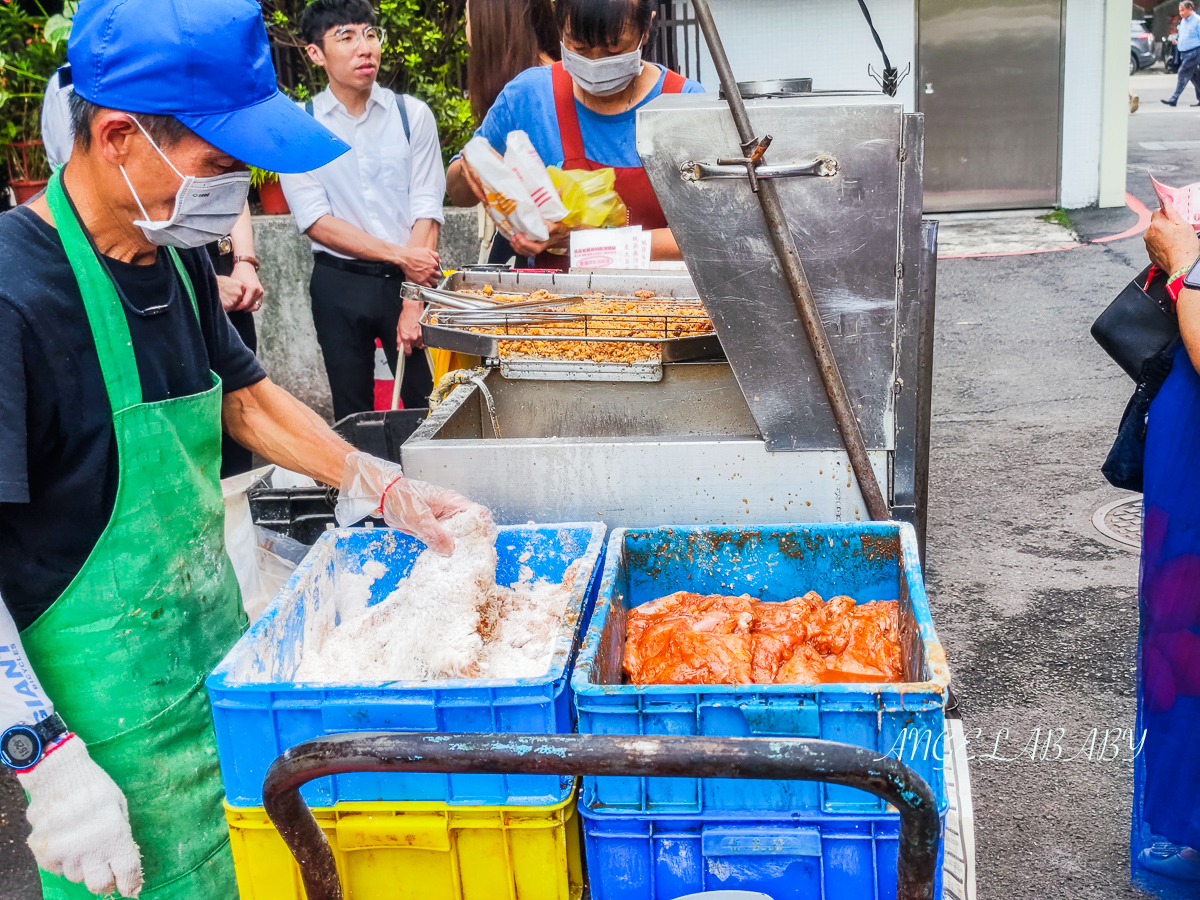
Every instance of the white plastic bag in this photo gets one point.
(260, 573)
(524, 160)
(507, 199)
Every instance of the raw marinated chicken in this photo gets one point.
(687, 638)
(690, 639)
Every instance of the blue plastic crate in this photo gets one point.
(817, 857)
(258, 712)
(867, 561)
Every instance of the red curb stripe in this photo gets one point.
(1143, 221)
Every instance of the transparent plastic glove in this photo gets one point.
(414, 507)
(81, 822)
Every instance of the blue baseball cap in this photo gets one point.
(205, 62)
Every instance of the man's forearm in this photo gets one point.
(457, 187)
(271, 422)
(425, 234)
(342, 237)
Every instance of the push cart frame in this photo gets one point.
(590, 754)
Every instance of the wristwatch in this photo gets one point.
(21, 746)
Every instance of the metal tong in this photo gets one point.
(462, 301)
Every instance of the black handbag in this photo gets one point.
(1124, 465)
(1139, 324)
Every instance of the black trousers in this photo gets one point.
(351, 311)
(236, 459)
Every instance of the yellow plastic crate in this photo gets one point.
(422, 851)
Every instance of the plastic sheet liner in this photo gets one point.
(1166, 807)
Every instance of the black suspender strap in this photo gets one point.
(400, 106)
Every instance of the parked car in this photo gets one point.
(1141, 47)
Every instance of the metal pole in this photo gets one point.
(793, 272)
(596, 754)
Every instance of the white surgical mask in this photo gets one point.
(205, 208)
(605, 76)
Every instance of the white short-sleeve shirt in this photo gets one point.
(385, 182)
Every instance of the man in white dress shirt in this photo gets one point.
(373, 214)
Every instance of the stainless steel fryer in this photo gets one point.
(750, 438)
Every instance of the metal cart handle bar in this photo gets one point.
(593, 754)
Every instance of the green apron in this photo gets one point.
(124, 651)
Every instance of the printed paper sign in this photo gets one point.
(610, 248)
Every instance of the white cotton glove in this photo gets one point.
(414, 507)
(81, 822)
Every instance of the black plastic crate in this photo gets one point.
(381, 433)
(305, 513)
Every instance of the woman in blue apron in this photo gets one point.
(1165, 845)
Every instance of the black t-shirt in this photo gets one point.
(58, 451)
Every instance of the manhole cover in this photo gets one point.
(1121, 521)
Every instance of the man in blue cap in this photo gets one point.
(119, 369)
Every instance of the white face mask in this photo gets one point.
(205, 208)
(605, 76)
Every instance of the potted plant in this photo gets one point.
(32, 47)
(270, 194)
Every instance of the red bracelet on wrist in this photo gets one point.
(1174, 287)
(383, 496)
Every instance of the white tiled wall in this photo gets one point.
(1082, 97)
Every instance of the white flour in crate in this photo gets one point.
(447, 619)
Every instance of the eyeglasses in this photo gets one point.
(350, 37)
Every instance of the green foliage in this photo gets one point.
(32, 46)
(259, 177)
(425, 55)
(1057, 217)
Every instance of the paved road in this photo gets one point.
(1038, 615)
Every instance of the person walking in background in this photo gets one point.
(506, 37)
(373, 214)
(1189, 52)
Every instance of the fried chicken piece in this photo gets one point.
(687, 638)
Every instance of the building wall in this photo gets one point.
(767, 39)
(287, 341)
(1083, 81)
(1114, 116)
(1095, 103)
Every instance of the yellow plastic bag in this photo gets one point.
(589, 197)
(448, 360)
